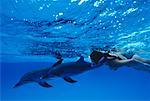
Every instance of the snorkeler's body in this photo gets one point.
(115, 61)
(135, 62)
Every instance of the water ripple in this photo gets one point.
(75, 26)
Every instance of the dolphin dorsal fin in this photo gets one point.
(81, 59)
(57, 63)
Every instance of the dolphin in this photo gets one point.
(59, 69)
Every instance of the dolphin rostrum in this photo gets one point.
(59, 69)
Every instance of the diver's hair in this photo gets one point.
(96, 56)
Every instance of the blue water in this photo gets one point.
(32, 31)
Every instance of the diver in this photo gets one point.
(115, 61)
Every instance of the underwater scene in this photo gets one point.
(74, 50)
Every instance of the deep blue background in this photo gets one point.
(98, 84)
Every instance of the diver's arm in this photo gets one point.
(122, 62)
(117, 56)
(110, 58)
(112, 55)
(101, 61)
(121, 57)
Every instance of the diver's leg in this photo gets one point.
(138, 65)
(136, 57)
(132, 63)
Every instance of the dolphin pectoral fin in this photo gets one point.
(44, 84)
(70, 80)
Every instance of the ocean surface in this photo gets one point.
(33, 31)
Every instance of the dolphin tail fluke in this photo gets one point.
(69, 79)
(45, 84)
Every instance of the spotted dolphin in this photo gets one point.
(59, 69)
